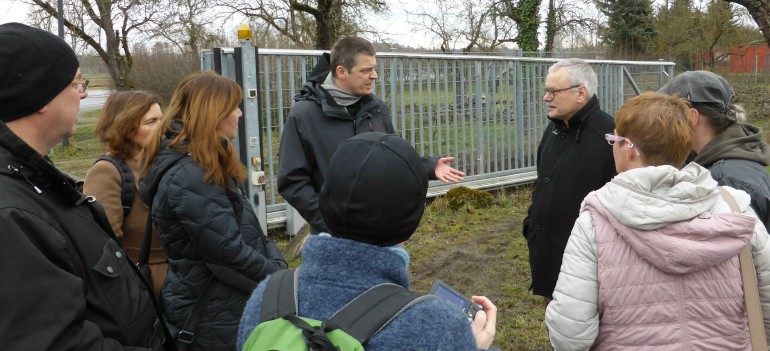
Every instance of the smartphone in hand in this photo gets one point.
(464, 304)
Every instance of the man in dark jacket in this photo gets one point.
(335, 104)
(730, 148)
(67, 282)
(572, 160)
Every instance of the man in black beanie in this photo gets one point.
(67, 284)
(372, 201)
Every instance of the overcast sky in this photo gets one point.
(396, 27)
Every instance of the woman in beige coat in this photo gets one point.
(127, 118)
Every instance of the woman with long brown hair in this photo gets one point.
(215, 247)
(127, 119)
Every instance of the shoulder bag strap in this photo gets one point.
(750, 290)
(187, 333)
(144, 252)
(127, 181)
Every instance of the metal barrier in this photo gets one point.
(486, 111)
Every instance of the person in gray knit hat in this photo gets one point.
(67, 283)
(733, 150)
(372, 200)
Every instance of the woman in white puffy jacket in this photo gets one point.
(652, 262)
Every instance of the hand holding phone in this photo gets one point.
(464, 304)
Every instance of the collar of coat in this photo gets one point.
(577, 120)
(19, 160)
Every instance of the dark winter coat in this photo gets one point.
(738, 158)
(571, 162)
(67, 282)
(197, 223)
(316, 126)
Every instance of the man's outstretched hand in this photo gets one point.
(445, 172)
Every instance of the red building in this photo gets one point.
(739, 59)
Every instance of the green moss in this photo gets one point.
(463, 197)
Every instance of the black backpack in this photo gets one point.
(127, 181)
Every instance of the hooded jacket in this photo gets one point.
(316, 126)
(197, 223)
(67, 284)
(738, 158)
(571, 162)
(334, 271)
(652, 264)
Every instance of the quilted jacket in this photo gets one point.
(198, 226)
(651, 265)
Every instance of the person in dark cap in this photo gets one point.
(372, 201)
(67, 284)
(733, 150)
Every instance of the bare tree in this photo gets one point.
(708, 29)
(466, 25)
(566, 17)
(440, 23)
(115, 20)
(714, 26)
(319, 23)
(186, 25)
(525, 13)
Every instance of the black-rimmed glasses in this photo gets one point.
(551, 93)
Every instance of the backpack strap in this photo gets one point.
(371, 311)
(361, 318)
(127, 181)
(280, 297)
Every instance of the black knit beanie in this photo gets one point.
(374, 190)
(35, 66)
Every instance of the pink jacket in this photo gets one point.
(651, 265)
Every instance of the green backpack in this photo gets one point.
(280, 329)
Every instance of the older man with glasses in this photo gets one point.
(67, 283)
(572, 160)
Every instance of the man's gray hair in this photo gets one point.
(581, 73)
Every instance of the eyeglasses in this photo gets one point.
(612, 139)
(82, 84)
(551, 93)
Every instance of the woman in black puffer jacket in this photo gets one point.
(209, 230)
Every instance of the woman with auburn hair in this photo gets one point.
(652, 261)
(126, 121)
(216, 249)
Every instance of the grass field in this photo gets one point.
(477, 251)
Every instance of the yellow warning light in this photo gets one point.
(244, 32)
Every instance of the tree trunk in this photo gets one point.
(328, 24)
(528, 22)
(550, 28)
(118, 65)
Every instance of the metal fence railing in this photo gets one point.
(487, 111)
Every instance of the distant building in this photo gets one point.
(738, 59)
